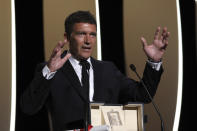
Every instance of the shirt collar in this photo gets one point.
(75, 62)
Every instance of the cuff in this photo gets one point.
(155, 65)
(47, 73)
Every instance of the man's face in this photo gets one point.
(82, 40)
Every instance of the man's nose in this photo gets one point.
(87, 39)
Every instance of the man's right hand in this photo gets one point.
(56, 62)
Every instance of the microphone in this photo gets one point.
(133, 68)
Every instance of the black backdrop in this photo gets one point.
(188, 117)
(30, 51)
(111, 20)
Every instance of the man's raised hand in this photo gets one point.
(56, 62)
(156, 50)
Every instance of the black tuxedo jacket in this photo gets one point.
(64, 96)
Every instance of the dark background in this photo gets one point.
(188, 115)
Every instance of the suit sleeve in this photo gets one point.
(36, 94)
(133, 91)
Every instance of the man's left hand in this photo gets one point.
(156, 50)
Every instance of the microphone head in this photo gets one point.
(132, 66)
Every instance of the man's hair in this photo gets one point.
(78, 17)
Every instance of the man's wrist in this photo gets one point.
(155, 65)
(47, 73)
(154, 61)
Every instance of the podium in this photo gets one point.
(118, 117)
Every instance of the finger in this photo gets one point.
(58, 47)
(165, 29)
(65, 58)
(61, 44)
(164, 46)
(65, 40)
(58, 54)
(165, 37)
(54, 52)
(143, 40)
(163, 34)
(168, 35)
(157, 33)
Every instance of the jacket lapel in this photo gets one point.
(74, 80)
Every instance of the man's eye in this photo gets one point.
(93, 34)
(81, 33)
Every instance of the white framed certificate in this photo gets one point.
(118, 117)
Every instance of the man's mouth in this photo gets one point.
(86, 48)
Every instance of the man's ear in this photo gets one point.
(66, 38)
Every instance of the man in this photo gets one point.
(57, 84)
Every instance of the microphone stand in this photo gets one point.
(133, 68)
